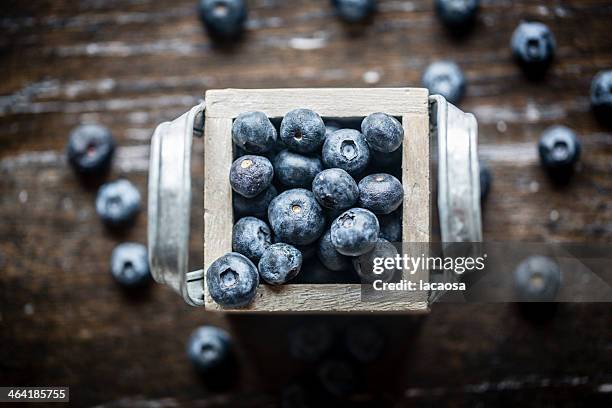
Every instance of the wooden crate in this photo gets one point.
(222, 106)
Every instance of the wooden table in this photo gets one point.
(134, 63)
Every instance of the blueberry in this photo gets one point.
(232, 280)
(223, 19)
(364, 341)
(209, 348)
(533, 47)
(559, 148)
(457, 14)
(302, 130)
(537, 279)
(130, 265)
(601, 95)
(445, 78)
(251, 175)
(118, 203)
(383, 133)
(256, 206)
(354, 11)
(380, 193)
(253, 132)
(296, 217)
(251, 237)
(311, 341)
(348, 150)
(280, 263)
(485, 181)
(355, 232)
(391, 226)
(364, 264)
(295, 170)
(330, 257)
(335, 189)
(338, 378)
(90, 149)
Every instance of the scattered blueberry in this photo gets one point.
(295, 170)
(296, 217)
(380, 193)
(485, 180)
(232, 280)
(364, 264)
(335, 189)
(118, 203)
(537, 279)
(280, 263)
(354, 11)
(251, 237)
(256, 206)
(311, 341)
(209, 348)
(348, 150)
(90, 149)
(533, 46)
(223, 19)
(559, 148)
(253, 132)
(130, 265)
(338, 378)
(445, 78)
(391, 226)
(355, 232)
(383, 133)
(330, 257)
(302, 130)
(601, 95)
(457, 14)
(364, 341)
(251, 175)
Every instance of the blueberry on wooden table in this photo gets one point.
(559, 148)
(251, 237)
(354, 11)
(256, 206)
(118, 203)
(391, 226)
(457, 14)
(445, 78)
(223, 19)
(302, 130)
(254, 133)
(232, 280)
(601, 95)
(380, 193)
(355, 232)
(533, 46)
(296, 217)
(383, 133)
(537, 279)
(250, 175)
(280, 263)
(90, 149)
(348, 150)
(335, 189)
(130, 265)
(329, 255)
(295, 170)
(209, 348)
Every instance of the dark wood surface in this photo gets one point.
(134, 63)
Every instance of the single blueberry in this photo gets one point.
(232, 280)
(130, 265)
(559, 148)
(90, 149)
(251, 175)
(338, 378)
(445, 78)
(485, 180)
(311, 341)
(209, 349)
(601, 95)
(537, 279)
(354, 11)
(383, 133)
(335, 189)
(355, 232)
(380, 193)
(348, 150)
(296, 217)
(118, 203)
(223, 19)
(330, 257)
(364, 264)
(391, 226)
(302, 130)
(251, 237)
(533, 47)
(253, 132)
(457, 14)
(295, 170)
(280, 263)
(256, 206)
(364, 341)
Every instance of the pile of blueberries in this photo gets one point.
(332, 201)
